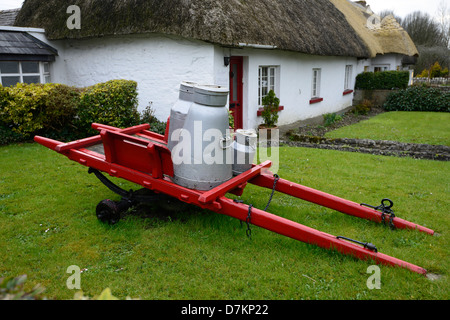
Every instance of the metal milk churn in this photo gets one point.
(179, 112)
(202, 158)
(244, 149)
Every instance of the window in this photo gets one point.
(316, 83)
(381, 68)
(348, 77)
(13, 72)
(267, 80)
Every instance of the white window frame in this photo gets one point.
(43, 74)
(316, 80)
(348, 81)
(272, 80)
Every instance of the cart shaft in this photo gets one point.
(331, 201)
(309, 235)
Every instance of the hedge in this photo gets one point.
(418, 98)
(66, 113)
(31, 108)
(386, 80)
(113, 103)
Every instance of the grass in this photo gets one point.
(409, 127)
(48, 223)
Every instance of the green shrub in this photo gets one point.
(36, 108)
(7, 135)
(363, 108)
(66, 113)
(112, 103)
(148, 116)
(62, 112)
(270, 111)
(386, 80)
(331, 118)
(418, 98)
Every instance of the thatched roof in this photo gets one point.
(381, 36)
(7, 17)
(309, 26)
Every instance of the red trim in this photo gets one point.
(260, 110)
(315, 100)
(237, 92)
(347, 92)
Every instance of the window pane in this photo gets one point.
(46, 67)
(9, 67)
(30, 67)
(267, 81)
(316, 83)
(31, 79)
(272, 79)
(10, 81)
(47, 79)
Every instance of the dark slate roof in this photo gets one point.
(18, 43)
(8, 17)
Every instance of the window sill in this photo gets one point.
(347, 92)
(260, 110)
(315, 100)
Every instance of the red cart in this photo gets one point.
(142, 157)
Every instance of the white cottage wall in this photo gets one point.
(294, 85)
(158, 63)
(392, 61)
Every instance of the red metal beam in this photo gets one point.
(331, 201)
(217, 202)
(231, 184)
(309, 235)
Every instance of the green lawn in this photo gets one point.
(410, 127)
(47, 223)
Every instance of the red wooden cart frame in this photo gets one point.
(142, 157)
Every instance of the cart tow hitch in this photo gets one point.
(386, 210)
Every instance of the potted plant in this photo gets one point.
(270, 112)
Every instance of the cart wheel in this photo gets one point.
(107, 211)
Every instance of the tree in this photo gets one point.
(423, 29)
(386, 13)
(443, 18)
(428, 56)
(431, 36)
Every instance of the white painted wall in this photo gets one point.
(295, 84)
(158, 63)
(392, 60)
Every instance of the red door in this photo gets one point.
(236, 90)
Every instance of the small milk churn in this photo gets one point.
(244, 149)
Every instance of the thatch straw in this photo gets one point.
(386, 37)
(308, 26)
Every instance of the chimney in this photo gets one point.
(363, 3)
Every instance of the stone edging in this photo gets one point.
(377, 147)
